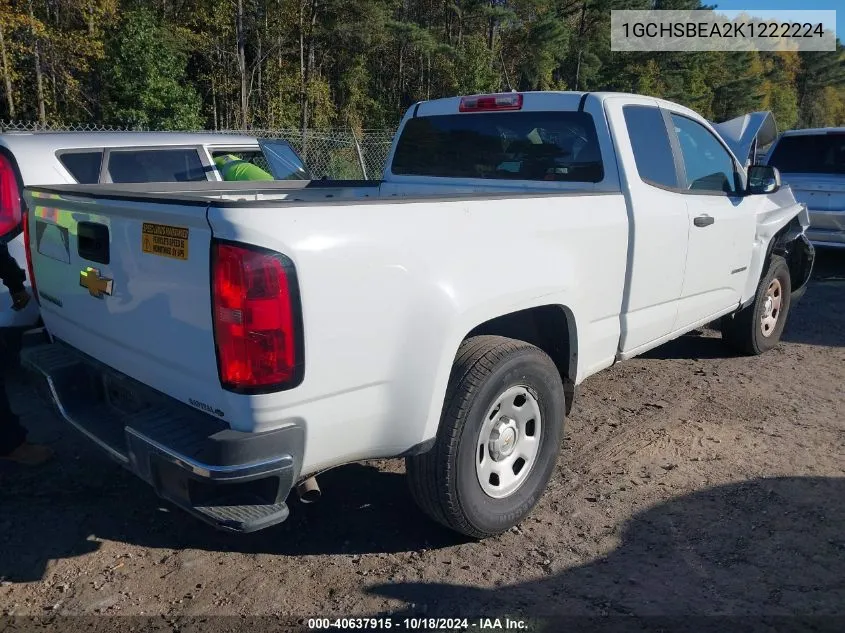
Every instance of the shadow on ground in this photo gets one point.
(60, 510)
(771, 547)
(817, 319)
(829, 264)
(767, 546)
(693, 346)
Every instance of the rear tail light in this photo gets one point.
(28, 250)
(10, 197)
(491, 103)
(257, 319)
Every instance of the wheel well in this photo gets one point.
(546, 327)
(798, 254)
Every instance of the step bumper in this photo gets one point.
(236, 481)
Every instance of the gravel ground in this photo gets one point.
(691, 481)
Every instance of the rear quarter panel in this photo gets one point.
(389, 289)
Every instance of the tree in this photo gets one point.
(826, 109)
(10, 21)
(362, 63)
(146, 81)
(818, 72)
(546, 45)
(739, 85)
(781, 91)
(35, 32)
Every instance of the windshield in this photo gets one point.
(556, 146)
(810, 154)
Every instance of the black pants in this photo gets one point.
(12, 434)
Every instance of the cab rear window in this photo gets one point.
(810, 154)
(552, 146)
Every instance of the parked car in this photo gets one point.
(229, 344)
(42, 158)
(813, 163)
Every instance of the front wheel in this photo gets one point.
(758, 327)
(498, 440)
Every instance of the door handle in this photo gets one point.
(93, 242)
(704, 220)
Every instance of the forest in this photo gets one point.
(359, 64)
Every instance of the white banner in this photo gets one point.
(751, 30)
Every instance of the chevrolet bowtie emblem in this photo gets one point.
(97, 286)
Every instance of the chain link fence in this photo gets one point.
(35, 126)
(333, 153)
(337, 154)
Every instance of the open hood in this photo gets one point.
(747, 133)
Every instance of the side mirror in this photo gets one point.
(762, 179)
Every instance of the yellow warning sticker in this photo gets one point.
(163, 240)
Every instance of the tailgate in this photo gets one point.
(127, 282)
(819, 192)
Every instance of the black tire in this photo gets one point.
(743, 331)
(443, 481)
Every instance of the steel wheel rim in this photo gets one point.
(772, 303)
(508, 443)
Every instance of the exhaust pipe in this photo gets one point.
(308, 490)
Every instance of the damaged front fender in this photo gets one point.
(793, 245)
(781, 225)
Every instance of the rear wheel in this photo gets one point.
(758, 327)
(498, 440)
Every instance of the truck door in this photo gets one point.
(657, 217)
(721, 223)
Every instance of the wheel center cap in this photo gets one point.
(503, 439)
(769, 308)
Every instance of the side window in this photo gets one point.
(242, 165)
(283, 161)
(156, 165)
(253, 157)
(274, 160)
(708, 165)
(650, 142)
(83, 166)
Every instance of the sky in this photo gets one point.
(760, 7)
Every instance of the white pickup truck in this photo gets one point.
(229, 343)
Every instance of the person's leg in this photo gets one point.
(13, 444)
(12, 434)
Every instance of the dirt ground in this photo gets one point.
(692, 481)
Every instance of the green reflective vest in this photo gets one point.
(233, 168)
